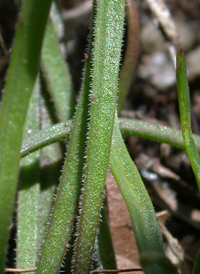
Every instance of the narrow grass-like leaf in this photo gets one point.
(152, 131)
(28, 195)
(185, 115)
(57, 77)
(142, 214)
(104, 243)
(106, 57)
(50, 165)
(45, 137)
(18, 88)
(105, 249)
(130, 127)
(57, 21)
(131, 52)
(66, 203)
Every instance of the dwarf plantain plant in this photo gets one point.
(95, 142)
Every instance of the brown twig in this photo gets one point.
(116, 270)
(3, 46)
(186, 6)
(4, 60)
(18, 270)
(164, 17)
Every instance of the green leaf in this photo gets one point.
(130, 127)
(28, 195)
(19, 84)
(106, 57)
(66, 202)
(105, 248)
(57, 77)
(131, 52)
(51, 158)
(184, 107)
(142, 214)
